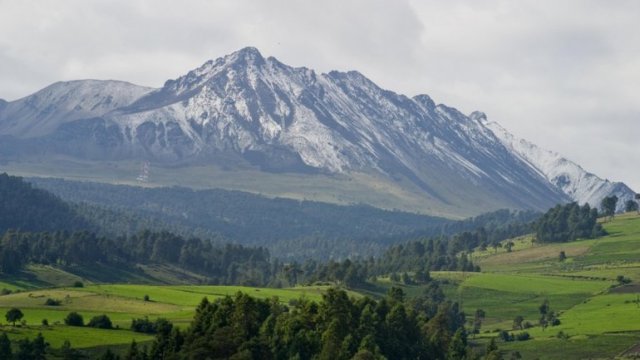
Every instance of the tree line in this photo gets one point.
(290, 229)
(28, 208)
(338, 327)
(226, 264)
(567, 223)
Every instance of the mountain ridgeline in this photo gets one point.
(244, 111)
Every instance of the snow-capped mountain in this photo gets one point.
(43, 112)
(571, 178)
(247, 109)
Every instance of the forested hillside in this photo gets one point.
(26, 208)
(221, 264)
(290, 229)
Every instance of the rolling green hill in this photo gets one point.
(121, 303)
(599, 315)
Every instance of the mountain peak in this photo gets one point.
(425, 100)
(248, 51)
(245, 56)
(478, 116)
(243, 110)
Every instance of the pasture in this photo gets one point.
(598, 318)
(121, 303)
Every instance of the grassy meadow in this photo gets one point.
(599, 317)
(121, 303)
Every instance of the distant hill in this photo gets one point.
(289, 228)
(23, 207)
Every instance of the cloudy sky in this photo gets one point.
(563, 74)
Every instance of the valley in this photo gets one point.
(599, 315)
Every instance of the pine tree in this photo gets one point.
(5, 347)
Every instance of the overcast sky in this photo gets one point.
(562, 74)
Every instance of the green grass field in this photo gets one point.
(602, 321)
(122, 303)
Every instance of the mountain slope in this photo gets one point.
(244, 111)
(25, 208)
(573, 180)
(43, 112)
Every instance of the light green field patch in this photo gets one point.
(193, 295)
(538, 257)
(161, 294)
(535, 284)
(9, 286)
(501, 307)
(52, 276)
(597, 315)
(610, 271)
(79, 337)
(83, 300)
(592, 347)
(35, 316)
(455, 276)
(313, 293)
(621, 245)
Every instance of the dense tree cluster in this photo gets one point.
(23, 207)
(339, 327)
(631, 205)
(498, 225)
(144, 325)
(432, 254)
(26, 349)
(289, 228)
(228, 264)
(608, 205)
(568, 222)
(407, 263)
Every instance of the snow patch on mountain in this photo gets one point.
(579, 184)
(43, 112)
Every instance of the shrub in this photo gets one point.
(562, 256)
(523, 336)
(78, 284)
(505, 336)
(143, 326)
(622, 279)
(100, 322)
(74, 319)
(148, 327)
(52, 302)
